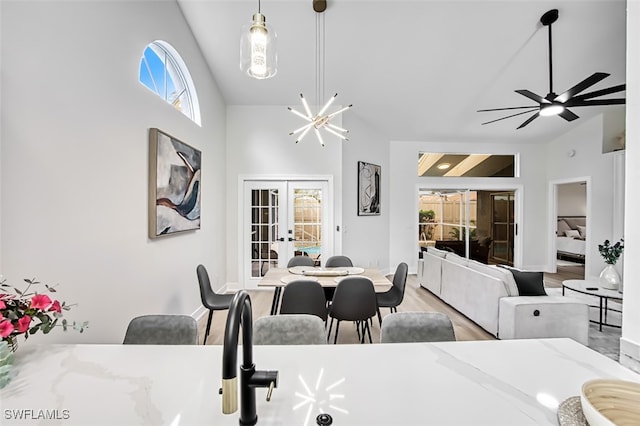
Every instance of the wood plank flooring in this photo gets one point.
(416, 299)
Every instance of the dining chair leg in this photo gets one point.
(206, 333)
(330, 326)
(369, 333)
(358, 328)
(335, 339)
(379, 316)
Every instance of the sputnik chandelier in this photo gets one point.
(321, 120)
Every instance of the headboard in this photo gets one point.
(566, 223)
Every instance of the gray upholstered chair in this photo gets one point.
(293, 329)
(304, 297)
(402, 327)
(210, 299)
(338, 261)
(162, 330)
(393, 297)
(300, 261)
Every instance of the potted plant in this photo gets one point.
(609, 277)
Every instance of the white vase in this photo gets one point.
(609, 278)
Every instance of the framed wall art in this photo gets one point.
(368, 189)
(174, 185)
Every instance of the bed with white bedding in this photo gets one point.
(571, 233)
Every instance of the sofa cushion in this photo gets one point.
(458, 260)
(502, 274)
(528, 283)
(437, 252)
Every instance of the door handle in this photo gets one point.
(292, 239)
(281, 239)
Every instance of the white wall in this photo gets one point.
(74, 165)
(572, 199)
(630, 343)
(258, 144)
(406, 182)
(366, 238)
(591, 165)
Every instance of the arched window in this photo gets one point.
(164, 72)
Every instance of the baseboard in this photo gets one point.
(200, 313)
(630, 354)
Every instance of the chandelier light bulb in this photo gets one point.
(258, 46)
(319, 121)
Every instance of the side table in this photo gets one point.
(592, 287)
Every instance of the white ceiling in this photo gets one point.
(419, 70)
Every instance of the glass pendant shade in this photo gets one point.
(258, 56)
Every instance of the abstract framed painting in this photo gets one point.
(368, 189)
(174, 185)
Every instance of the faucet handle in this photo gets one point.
(270, 391)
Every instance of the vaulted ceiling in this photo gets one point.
(419, 70)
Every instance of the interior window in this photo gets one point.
(437, 164)
(163, 71)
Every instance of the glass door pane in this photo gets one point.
(264, 224)
(503, 228)
(308, 219)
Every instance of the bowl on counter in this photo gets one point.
(611, 402)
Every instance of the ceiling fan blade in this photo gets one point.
(508, 116)
(602, 92)
(568, 115)
(504, 109)
(583, 85)
(532, 96)
(529, 120)
(595, 102)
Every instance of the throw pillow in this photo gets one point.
(572, 233)
(529, 283)
(583, 231)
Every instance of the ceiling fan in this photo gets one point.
(554, 104)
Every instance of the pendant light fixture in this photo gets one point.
(258, 56)
(321, 120)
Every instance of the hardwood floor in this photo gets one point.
(416, 299)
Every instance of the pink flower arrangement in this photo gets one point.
(27, 311)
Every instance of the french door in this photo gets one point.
(283, 218)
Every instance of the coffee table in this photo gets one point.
(592, 287)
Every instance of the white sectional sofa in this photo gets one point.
(488, 295)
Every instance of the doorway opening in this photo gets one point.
(571, 228)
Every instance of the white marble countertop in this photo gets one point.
(513, 382)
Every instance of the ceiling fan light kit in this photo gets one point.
(321, 120)
(258, 55)
(554, 104)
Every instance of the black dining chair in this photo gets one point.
(335, 262)
(300, 260)
(354, 300)
(210, 299)
(304, 297)
(338, 261)
(162, 330)
(393, 297)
